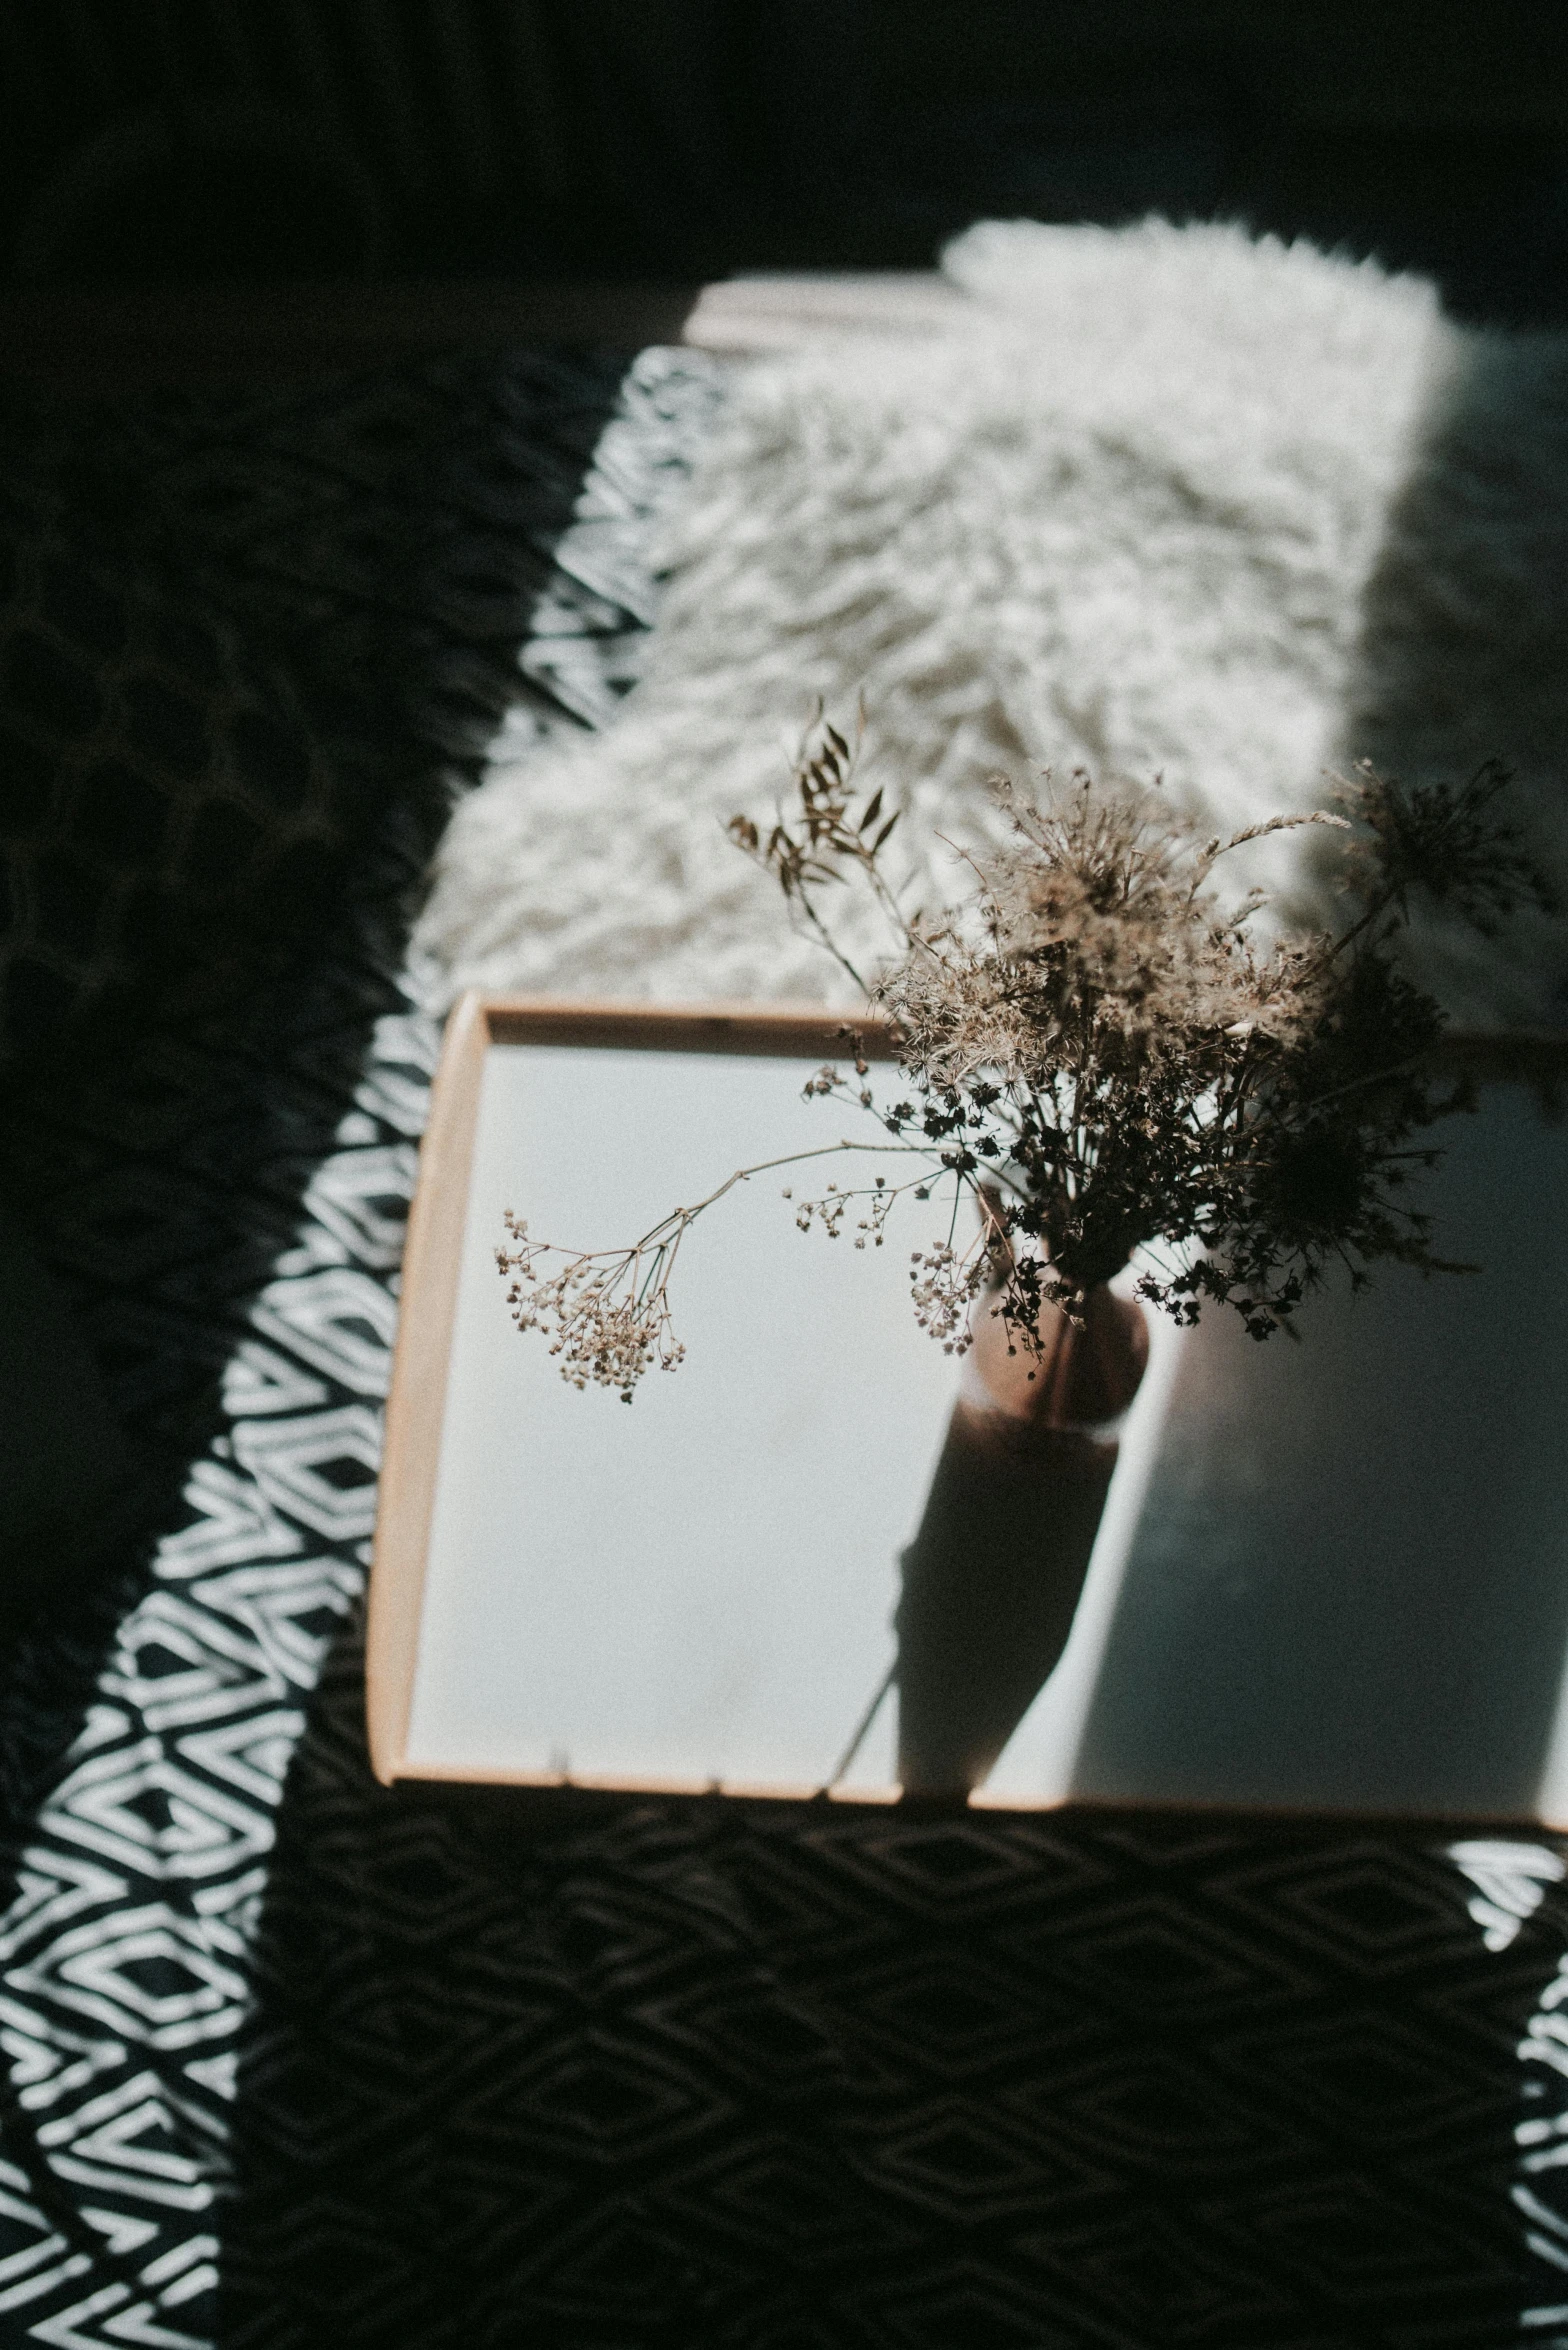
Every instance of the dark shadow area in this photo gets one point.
(708, 2074)
(250, 644)
(540, 139)
(1464, 628)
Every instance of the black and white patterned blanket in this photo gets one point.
(294, 2059)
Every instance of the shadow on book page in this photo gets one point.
(1336, 1572)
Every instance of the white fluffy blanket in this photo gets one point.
(1166, 500)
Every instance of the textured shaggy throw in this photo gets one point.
(1166, 501)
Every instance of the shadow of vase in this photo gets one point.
(991, 1582)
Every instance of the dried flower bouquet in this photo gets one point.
(1109, 1057)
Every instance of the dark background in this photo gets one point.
(399, 140)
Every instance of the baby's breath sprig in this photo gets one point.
(606, 1312)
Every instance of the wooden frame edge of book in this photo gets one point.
(438, 1219)
(417, 1395)
(792, 1031)
(433, 1255)
(443, 1774)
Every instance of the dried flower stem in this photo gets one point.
(608, 1310)
(1097, 1050)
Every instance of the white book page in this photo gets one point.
(698, 1585)
(1328, 1575)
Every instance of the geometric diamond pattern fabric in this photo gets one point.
(185, 1177)
(293, 2059)
(715, 2077)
